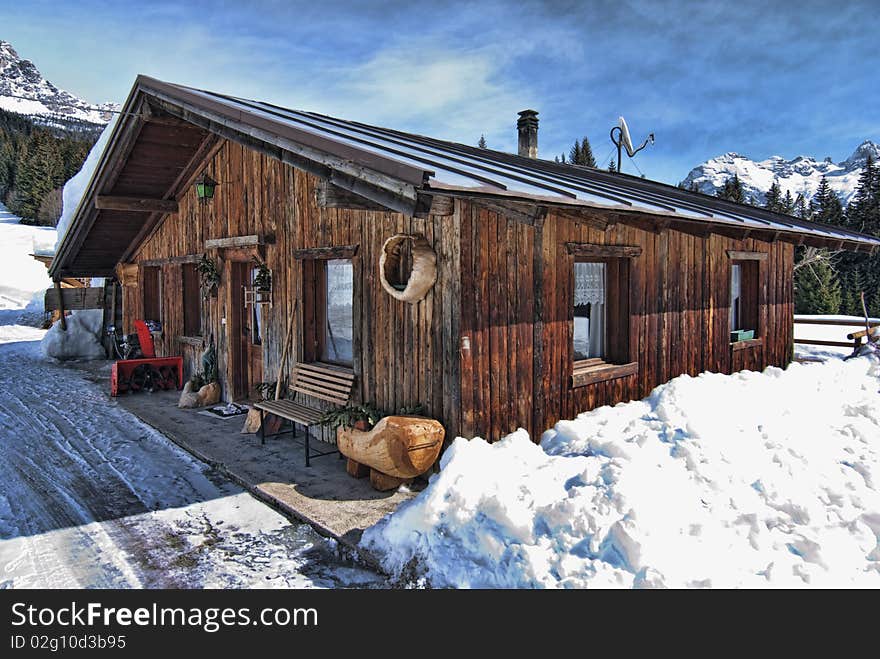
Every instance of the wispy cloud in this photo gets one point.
(755, 77)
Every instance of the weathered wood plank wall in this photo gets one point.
(489, 349)
(679, 303)
(404, 354)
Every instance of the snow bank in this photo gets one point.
(75, 188)
(81, 340)
(744, 480)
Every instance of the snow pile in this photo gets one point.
(81, 340)
(23, 280)
(744, 480)
(74, 189)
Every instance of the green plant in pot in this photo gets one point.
(361, 417)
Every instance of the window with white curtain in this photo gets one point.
(590, 291)
(736, 297)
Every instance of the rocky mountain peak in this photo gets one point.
(24, 90)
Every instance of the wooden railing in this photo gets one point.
(854, 337)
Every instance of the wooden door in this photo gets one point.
(245, 335)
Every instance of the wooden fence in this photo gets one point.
(851, 342)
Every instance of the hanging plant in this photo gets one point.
(209, 274)
(263, 278)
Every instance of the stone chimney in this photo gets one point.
(527, 125)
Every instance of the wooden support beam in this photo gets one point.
(58, 290)
(434, 204)
(172, 260)
(337, 252)
(207, 149)
(154, 116)
(746, 256)
(442, 205)
(522, 212)
(137, 204)
(127, 274)
(328, 195)
(590, 218)
(590, 250)
(235, 241)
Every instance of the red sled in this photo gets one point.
(148, 374)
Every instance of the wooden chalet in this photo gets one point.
(551, 288)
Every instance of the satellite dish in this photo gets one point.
(625, 137)
(624, 141)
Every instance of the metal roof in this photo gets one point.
(454, 167)
(395, 169)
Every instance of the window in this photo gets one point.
(589, 310)
(600, 336)
(744, 296)
(256, 313)
(192, 300)
(152, 294)
(328, 287)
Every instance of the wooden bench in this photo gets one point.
(317, 381)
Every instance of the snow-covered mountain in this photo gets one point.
(24, 90)
(800, 175)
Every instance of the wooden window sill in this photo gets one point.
(748, 343)
(601, 372)
(196, 341)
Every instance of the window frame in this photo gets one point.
(751, 276)
(257, 317)
(617, 360)
(190, 282)
(314, 301)
(156, 288)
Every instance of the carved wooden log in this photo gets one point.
(400, 446)
(424, 267)
(356, 469)
(384, 482)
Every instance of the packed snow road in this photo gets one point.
(91, 497)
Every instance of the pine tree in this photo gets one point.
(35, 162)
(773, 198)
(801, 208)
(733, 190)
(582, 153)
(817, 290)
(826, 205)
(861, 272)
(864, 208)
(482, 142)
(787, 203)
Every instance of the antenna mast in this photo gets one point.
(623, 139)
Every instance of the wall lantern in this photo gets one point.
(205, 186)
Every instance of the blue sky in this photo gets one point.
(759, 78)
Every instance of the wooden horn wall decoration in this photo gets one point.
(424, 267)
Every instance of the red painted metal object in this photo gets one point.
(170, 370)
(150, 373)
(148, 348)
